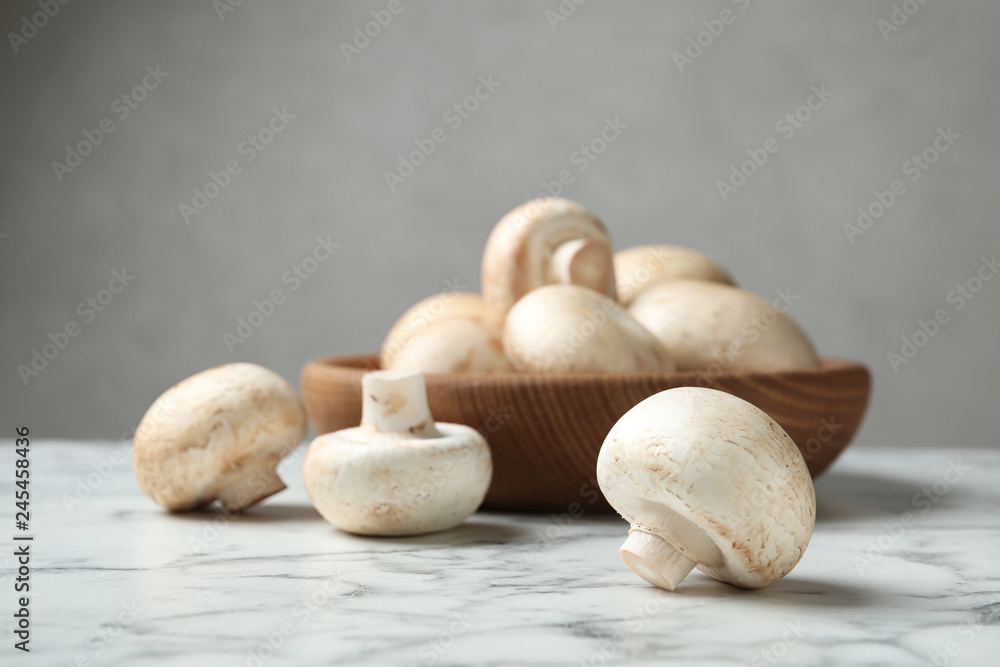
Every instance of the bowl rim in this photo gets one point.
(368, 362)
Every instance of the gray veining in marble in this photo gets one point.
(903, 569)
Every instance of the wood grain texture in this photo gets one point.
(545, 431)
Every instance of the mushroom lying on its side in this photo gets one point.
(568, 328)
(399, 473)
(542, 242)
(445, 333)
(637, 269)
(707, 479)
(704, 324)
(218, 435)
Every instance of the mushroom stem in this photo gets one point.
(253, 485)
(581, 262)
(654, 559)
(396, 402)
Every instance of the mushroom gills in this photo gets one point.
(665, 555)
(582, 262)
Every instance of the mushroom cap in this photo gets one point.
(454, 345)
(695, 460)
(521, 253)
(637, 269)
(568, 328)
(212, 430)
(433, 309)
(373, 483)
(704, 324)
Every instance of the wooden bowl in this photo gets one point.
(545, 430)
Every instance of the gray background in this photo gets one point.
(324, 175)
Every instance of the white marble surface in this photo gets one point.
(117, 581)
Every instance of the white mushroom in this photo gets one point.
(568, 328)
(637, 269)
(706, 325)
(707, 479)
(454, 346)
(446, 333)
(542, 242)
(218, 435)
(398, 473)
(442, 307)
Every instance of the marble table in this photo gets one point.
(904, 568)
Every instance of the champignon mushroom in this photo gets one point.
(454, 346)
(438, 308)
(399, 473)
(569, 328)
(542, 242)
(707, 479)
(704, 324)
(637, 269)
(218, 435)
